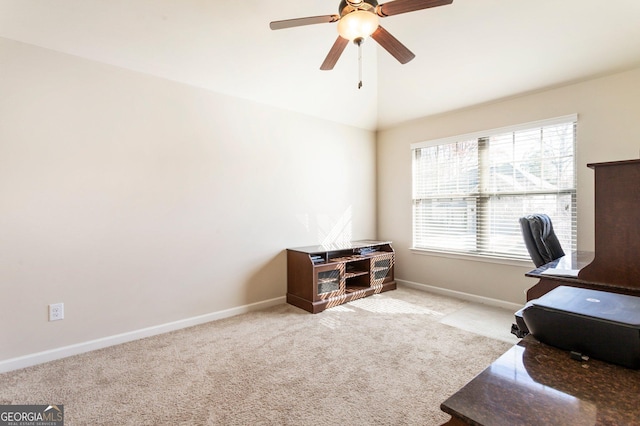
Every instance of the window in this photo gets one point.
(470, 191)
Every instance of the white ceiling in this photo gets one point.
(470, 52)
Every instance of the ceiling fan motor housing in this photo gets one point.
(347, 6)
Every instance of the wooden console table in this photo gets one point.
(319, 277)
(536, 384)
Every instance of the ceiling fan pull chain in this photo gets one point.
(359, 63)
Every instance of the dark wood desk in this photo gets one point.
(575, 261)
(536, 384)
(615, 265)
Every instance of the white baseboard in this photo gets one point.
(460, 295)
(65, 351)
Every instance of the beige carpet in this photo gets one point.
(383, 360)
(486, 320)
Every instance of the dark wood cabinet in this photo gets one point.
(320, 277)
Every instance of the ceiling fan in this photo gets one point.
(358, 20)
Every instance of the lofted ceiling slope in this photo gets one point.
(470, 52)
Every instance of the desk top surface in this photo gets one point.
(536, 384)
(576, 260)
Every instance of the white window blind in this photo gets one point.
(470, 191)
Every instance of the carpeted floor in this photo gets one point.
(383, 360)
(485, 320)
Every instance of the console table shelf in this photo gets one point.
(320, 277)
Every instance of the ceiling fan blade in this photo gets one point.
(298, 22)
(334, 54)
(392, 45)
(403, 6)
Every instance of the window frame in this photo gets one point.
(478, 136)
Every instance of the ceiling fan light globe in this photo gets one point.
(357, 24)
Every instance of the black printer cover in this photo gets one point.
(599, 324)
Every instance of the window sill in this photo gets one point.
(473, 257)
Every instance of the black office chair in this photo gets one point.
(541, 241)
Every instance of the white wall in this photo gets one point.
(138, 201)
(608, 130)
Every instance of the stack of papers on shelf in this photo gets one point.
(556, 272)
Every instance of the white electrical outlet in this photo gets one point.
(56, 311)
